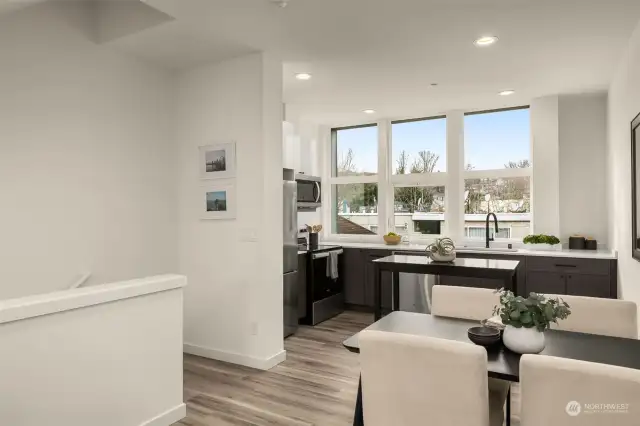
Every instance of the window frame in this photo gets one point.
(333, 180)
(453, 179)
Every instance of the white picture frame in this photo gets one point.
(218, 201)
(217, 161)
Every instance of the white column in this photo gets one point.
(454, 195)
(385, 190)
(545, 145)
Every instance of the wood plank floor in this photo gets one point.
(316, 385)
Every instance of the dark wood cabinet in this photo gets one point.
(573, 276)
(588, 285)
(353, 270)
(538, 274)
(302, 285)
(545, 282)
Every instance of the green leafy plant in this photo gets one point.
(537, 310)
(442, 246)
(541, 239)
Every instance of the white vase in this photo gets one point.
(523, 340)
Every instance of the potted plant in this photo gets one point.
(542, 242)
(526, 320)
(442, 250)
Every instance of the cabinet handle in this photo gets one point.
(560, 265)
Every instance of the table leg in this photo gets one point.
(377, 293)
(358, 416)
(508, 422)
(396, 291)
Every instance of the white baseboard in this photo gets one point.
(248, 361)
(169, 417)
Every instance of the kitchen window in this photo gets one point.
(418, 210)
(434, 176)
(419, 146)
(481, 232)
(498, 170)
(354, 180)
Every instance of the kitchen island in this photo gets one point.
(495, 269)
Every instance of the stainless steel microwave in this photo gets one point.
(309, 191)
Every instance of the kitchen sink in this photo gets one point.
(486, 250)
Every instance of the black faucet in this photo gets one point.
(495, 219)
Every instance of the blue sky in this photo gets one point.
(491, 141)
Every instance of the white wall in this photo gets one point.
(234, 300)
(86, 164)
(101, 356)
(624, 105)
(545, 157)
(583, 134)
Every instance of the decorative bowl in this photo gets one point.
(392, 240)
(484, 336)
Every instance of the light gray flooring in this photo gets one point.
(316, 385)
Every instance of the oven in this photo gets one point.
(325, 296)
(309, 191)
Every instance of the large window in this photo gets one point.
(354, 186)
(419, 146)
(497, 139)
(498, 172)
(394, 176)
(356, 151)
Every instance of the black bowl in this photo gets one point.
(484, 336)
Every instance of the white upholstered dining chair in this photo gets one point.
(412, 380)
(606, 317)
(463, 302)
(565, 392)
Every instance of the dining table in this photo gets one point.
(501, 362)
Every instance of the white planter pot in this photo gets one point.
(523, 340)
(437, 257)
(543, 247)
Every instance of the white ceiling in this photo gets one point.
(384, 54)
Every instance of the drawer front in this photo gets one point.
(568, 265)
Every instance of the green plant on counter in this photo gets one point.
(541, 239)
(442, 246)
(535, 311)
(392, 234)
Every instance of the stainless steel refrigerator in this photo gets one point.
(290, 253)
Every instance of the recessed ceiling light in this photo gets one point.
(303, 76)
(369, 111)
(507, 92)
(433, 84)
(485, 41)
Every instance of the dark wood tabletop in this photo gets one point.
(502, 363)
(484, 268)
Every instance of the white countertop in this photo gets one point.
(585, 254)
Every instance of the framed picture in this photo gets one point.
(218, 161)
(218, 201)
